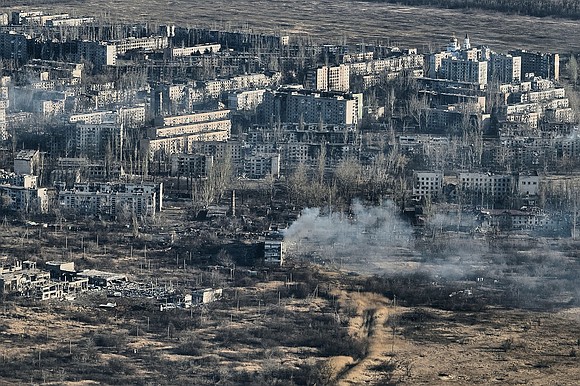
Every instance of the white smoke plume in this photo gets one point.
(378, 241)
(359, 241)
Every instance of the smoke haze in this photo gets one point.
(377, 241)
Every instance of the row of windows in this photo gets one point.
(484, 179)
(429, 178)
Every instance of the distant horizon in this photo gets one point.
(406, 26)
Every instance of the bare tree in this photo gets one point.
(572, 68)
(347, 177)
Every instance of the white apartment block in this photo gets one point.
(39, 18)
(498, 185)
(3, 120)
(70, 22)
(20, 17)
(333, 109)
(560, 115)
(94, 118)
(132, 116)
(152, 43)
(528, 185)
(92, 138)
(388, 65)
(427, 184)
(295, 153)
(434, 61)
(27, 162)
(214, 88)
(262, 165)
(530, 119)
(245, 100)
(327, 78)
(317, 79)
(220, 149)
(520, 108)
(568, 146)
(462, 70)
(176, 134)
(13, 45)
(49, 108)
(191, 165)
(529, 107)
(207, 116)
(358, 57)
(54, 69)
(143, 199)
(544, 95)
(180, 144)
(195, 50)
(221, 126)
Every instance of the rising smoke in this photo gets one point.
(362, 240)
(378, 241)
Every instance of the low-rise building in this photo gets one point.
(207, 295)
(24, 200)
(427, 184)
(208, 48)
(514, 219)
(112, 199)
(262, 165)
(102, 278)
(191, 165)
(500, 185)
(246, 100)
(274, 248)
(27, 162)
(25, 279)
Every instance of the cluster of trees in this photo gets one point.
(541, 8)
(348, 180)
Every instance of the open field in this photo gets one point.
(335, 336)
(359, 21)
(302, 323)
(420, 346)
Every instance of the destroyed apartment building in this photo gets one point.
(274, 249)
(23, 278)
(195, 298)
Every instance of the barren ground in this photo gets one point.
(406, 345)
(303, 323)
(355, 20)
(428, 346)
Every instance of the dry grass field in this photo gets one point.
(327, 327)
(303, 323)
(265, 342)
(355, 20)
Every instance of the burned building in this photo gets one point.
(23, 278)
(274, 249)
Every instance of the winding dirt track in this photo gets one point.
(370, 324)
(356, 20)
